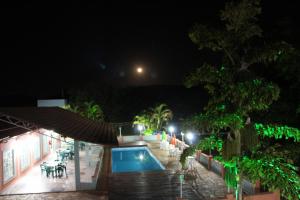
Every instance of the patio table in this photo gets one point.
(56, 167)
(65, 153)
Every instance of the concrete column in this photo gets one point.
(103, 180)
(77, 165)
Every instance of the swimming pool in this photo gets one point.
(134, 159)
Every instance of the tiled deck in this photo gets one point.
(34, 182)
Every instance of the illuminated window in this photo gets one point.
(24, 156)
(8, 165)
(36, 149)
(45, 144)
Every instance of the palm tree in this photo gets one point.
(161, 114)
(143, 119)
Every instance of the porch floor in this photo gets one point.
(35, 182)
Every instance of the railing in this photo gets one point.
(261, 196)
(215, 166)
(135, 138)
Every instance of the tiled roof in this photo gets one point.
(62, 121)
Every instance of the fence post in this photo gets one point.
(198, 154)
(209, 162)
(222, 171)
(257, 186)
(277, 194)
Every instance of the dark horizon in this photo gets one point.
(50, 47)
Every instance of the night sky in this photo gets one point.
(53, 46)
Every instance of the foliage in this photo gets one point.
(143, 119)
(93, 111)
(187, 152)
(212, 123)
(210, 143)
(278, 132)
(161, 114)
(154, 118)
(235, 90)
(88, 109)
(273, 172)
(110, 99)
(148, 131)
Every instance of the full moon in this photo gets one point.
(139, 70)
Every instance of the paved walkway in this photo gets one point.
(57, 196)
(206, 184)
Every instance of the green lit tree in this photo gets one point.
(145, 120)
(93, 111)
(88, 109)
(236, 91)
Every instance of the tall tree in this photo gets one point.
(161, 114)
(235, 89)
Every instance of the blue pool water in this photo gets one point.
(134, 159)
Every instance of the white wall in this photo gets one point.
(51, 103)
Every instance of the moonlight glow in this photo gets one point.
(139, 70)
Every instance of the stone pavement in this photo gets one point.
(205, 183)
(57, 196)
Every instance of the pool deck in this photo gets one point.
(201, 184)
(148, 185)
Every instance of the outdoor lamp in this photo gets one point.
(171, 129)
(140, 128)
(182, 137)
(190, 136)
